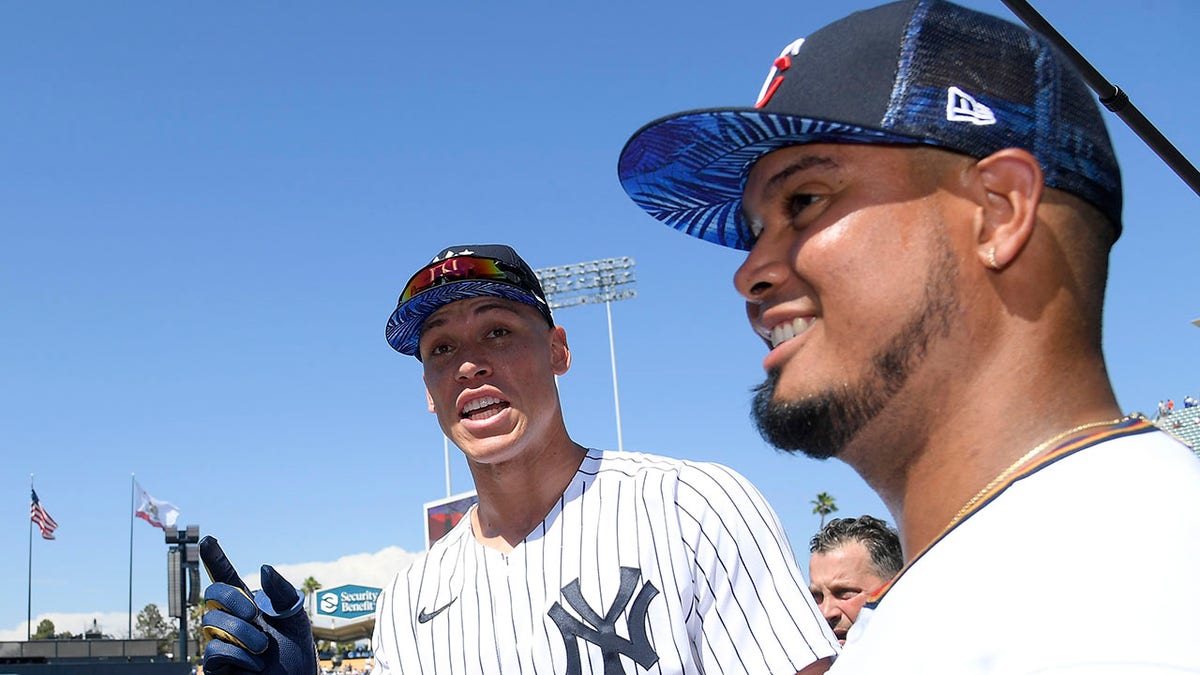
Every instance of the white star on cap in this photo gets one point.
(450, 254)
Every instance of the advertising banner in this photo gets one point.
(347, 602)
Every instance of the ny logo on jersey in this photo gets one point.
(602, 631)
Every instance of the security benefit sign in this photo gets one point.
(347, 602)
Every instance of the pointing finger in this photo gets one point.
(219, 569)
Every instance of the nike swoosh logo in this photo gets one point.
(425, 617)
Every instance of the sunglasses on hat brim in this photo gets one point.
(460, 268)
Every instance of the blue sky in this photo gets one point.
(207, 212)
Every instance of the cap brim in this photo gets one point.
(689, 169)
(404, 326)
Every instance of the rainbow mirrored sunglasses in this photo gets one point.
(461, 268)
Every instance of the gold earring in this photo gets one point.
(992, 259)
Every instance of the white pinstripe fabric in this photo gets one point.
(726, 594)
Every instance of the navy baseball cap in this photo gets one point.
(918, 72)
(458, 273)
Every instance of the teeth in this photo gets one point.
(786, 331)
(480, 403)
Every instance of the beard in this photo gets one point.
(821, 425)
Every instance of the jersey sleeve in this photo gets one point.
(753, 602)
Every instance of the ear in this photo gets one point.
(429, 397)
(1012, 189)
(560, 353)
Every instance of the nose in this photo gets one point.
(472, 367)
(763, 270)
(830, 610)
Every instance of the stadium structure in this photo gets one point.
(1181, 422)
(86, 656)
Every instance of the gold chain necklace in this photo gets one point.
(1012, 468)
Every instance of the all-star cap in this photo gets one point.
(918, 72)
(458, 273)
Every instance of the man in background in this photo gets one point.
(851, 559)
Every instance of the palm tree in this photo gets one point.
(311, 586)
(824, 505)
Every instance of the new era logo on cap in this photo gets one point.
(962, 107)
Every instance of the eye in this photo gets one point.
(846, 593)
(798, 202)
(439, 349)
(499, 331)
(434, 345)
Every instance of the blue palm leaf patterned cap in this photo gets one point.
(918, 72)
(445, 279)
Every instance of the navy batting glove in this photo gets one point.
(264, 632)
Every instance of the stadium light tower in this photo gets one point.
(594, 281)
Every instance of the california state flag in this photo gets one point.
(154, 511)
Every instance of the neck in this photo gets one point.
(517, 495)
(937, 464)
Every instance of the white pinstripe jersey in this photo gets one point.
(646, 565)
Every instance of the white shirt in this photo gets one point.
(1088, 562)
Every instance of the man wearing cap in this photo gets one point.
(928, 197)
(574, 560)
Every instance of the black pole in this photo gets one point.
(183, 597)
(29, 589)
(1111, 96)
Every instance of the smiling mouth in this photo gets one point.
(787, 330)
(483, 408)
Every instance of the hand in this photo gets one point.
(267, 632)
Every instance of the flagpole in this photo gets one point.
(132, 497)
(29, 586)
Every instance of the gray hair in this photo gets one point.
(880, 539)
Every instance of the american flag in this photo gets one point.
(42, 519)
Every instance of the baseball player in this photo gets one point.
(928, 198)
(574, 560)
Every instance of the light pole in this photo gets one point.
(594, 281)
(446, 453)
(183, 578)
